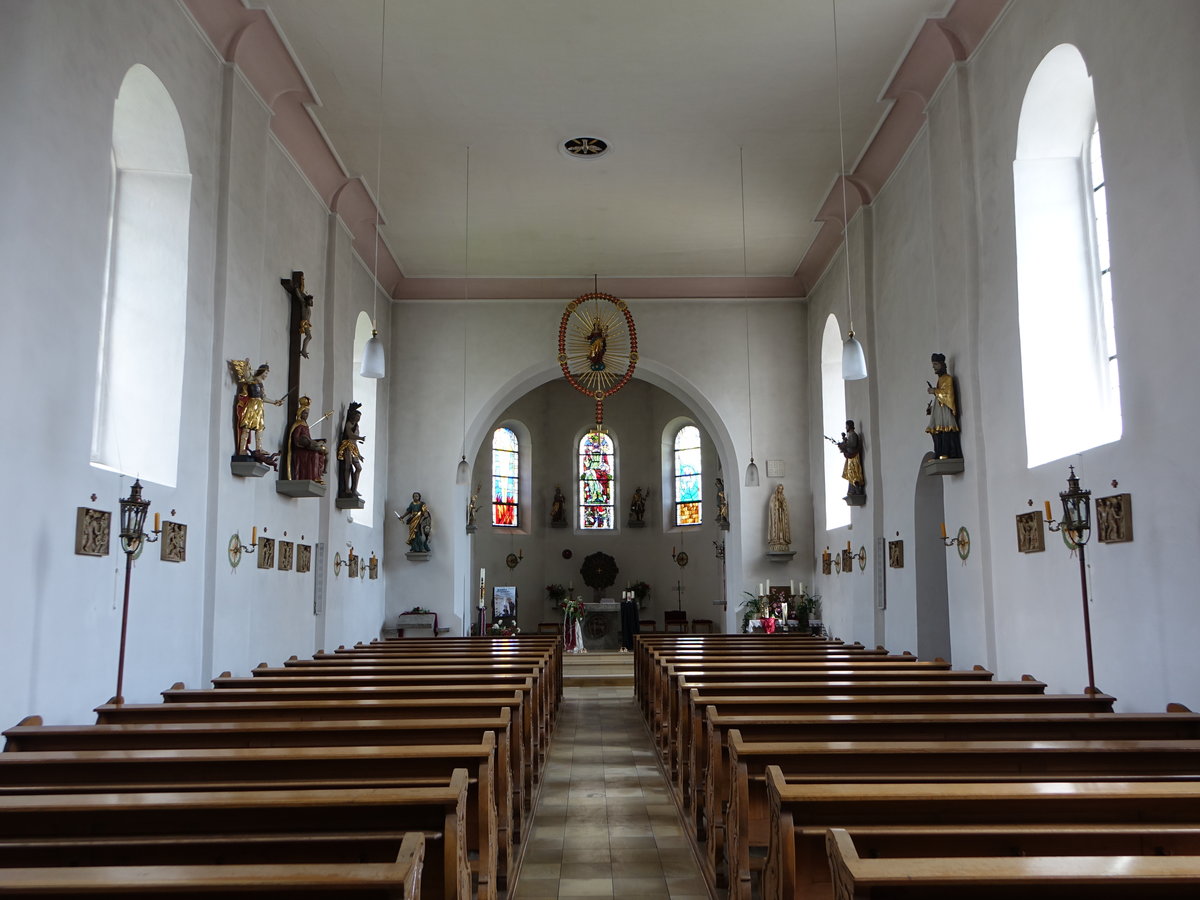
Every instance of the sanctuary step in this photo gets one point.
(597, 668)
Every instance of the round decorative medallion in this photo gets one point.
(597, 346)
(235, 550)
(681, 559)
(599, 570)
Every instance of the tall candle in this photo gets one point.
(944, 528)
(768, 585)
(848, 543)
(760, 590)
(156, 524)
(791, 585)
(1049, 518)
(254, 535)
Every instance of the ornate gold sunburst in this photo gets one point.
(597, 346)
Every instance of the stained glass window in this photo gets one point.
(506, 459)
(687, 476)
(597, 465)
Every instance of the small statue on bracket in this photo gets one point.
(851, 447)
(348, 454)
(637, 509)
(248, 415)
(942, 411)
(558, 509)
(306, 455)
(419, 520)
(722, 505)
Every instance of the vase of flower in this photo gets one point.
(572, 610)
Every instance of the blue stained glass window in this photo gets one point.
(506, 469)
(688, 471)
(597, 465)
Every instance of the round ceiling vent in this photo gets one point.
(584, 147)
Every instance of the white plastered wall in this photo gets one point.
(936, 254)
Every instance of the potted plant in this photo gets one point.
(808, 610)
(751, 608)
(641, 591)
(556, 593)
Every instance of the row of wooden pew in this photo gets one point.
(809, 768)
(399, 769)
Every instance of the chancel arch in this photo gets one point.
(541, 388)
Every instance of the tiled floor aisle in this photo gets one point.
(605, 825)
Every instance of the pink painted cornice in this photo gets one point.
(248, 39)
(937, 47)
(630, 288)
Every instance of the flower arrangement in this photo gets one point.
(572, 609)
(417, 611)
(556, 592)
(753, 607)
(641, 591)
(504, 630)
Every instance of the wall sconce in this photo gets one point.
(680, 559)
(962, 541)
(337, 564)
(1077, 524)
(514, 559)
(133, 521)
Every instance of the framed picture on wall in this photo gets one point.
(504, 603)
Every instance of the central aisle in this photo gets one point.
(605, 825)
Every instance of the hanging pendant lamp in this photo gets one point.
(751, 469)
(463, 475)
(373, 363)
(854, 360)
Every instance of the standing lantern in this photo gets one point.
(133, 535)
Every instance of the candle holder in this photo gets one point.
(1076, 524)
(133, 537)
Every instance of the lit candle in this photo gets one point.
(254, 535)
(943, 529)
(1049, 518)
(156, 525)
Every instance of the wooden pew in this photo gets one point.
(292, 768)
(399, 879)
(268, 731)
(353, 679)
(747, 814)
(193, 817)
(894, 728)
(539, 697)
(694, 752)
(1042, 874)
(698, 694)
(797, 864)
(350, 704)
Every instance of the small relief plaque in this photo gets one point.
(896, 554)
(286, 549)
(174, 542)
(1114, 519)
(1031, 537)
(303, 558)
(92, 530)
(266, 553)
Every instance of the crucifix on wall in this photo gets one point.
(299, 335)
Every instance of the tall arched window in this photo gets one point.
(1068, 337)
(506, 475)
(365, 391)
(597, 476)
(139, 388)
(833, 418)
(687, 475)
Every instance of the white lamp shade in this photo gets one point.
(463, 473)
(854, 361)
(752, 474)
(373, 365)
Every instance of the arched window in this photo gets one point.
(687, 475)
(139, 385)
(833, 418)
(365, 391)
(597, 474)
(506, 478)
(1067, 327)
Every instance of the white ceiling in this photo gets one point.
(675, 86)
